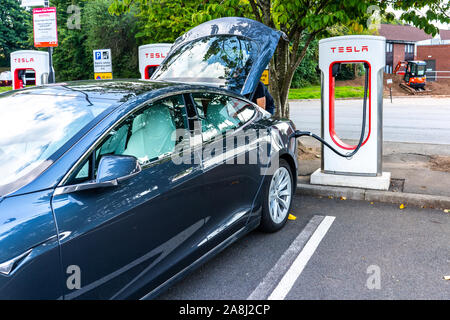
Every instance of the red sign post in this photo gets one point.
(45, 28)
(45, 33)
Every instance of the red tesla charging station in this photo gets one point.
(29, 60)
(363, 169)
(151, 56)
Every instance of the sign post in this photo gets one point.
(102, 64)
(389, 83)
(45, 33)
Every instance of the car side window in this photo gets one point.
(82, 174)
(145, 134)
(244, 110)
(219, 113)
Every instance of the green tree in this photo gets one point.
(307, 72)
(15, 29)
(302, 21)
(305, 20)
(70, 58)
(104, 30)
(96, 29)
(160, 21)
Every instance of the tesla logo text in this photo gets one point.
(350, 49)
(23, 60)
(153, 55)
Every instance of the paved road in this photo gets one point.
(410, 248)
(418, 120)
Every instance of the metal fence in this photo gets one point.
(434, 75)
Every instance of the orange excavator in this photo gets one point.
(414, 79)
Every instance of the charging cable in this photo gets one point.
(299, 133)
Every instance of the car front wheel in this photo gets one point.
(277, 198)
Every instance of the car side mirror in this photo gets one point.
(111, 170)
(118, 168)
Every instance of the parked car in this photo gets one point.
(5, 79)
(95, 202)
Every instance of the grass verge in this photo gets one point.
(313, 92)
(3, 89)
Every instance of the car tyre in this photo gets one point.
(277, 198)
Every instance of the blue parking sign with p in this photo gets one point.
(98, 55)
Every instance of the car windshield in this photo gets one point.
(34, 126)
(224, 60)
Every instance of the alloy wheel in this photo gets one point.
(280, 193)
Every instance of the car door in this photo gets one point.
(231, 168)
(124, 240)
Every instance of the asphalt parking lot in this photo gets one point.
(369, 251)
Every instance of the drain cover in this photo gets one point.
(397, 185)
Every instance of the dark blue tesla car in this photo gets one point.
(116, 189)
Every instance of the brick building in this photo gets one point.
(400, 43)
(437, 57)
(436, 53)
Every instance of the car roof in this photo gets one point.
(117, 91)
(114, 90)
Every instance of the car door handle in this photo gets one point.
(8, 266)
(182, 174)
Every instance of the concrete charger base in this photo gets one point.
(378, 183)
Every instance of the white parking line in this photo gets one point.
(302, 259)
(296, 256)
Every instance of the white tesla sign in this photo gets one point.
(102, 60)
(33, 3)
(102, 64)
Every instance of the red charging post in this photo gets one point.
(151, 56)
(25, 63)
(364, 168)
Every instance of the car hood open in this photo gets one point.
(228, 52)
